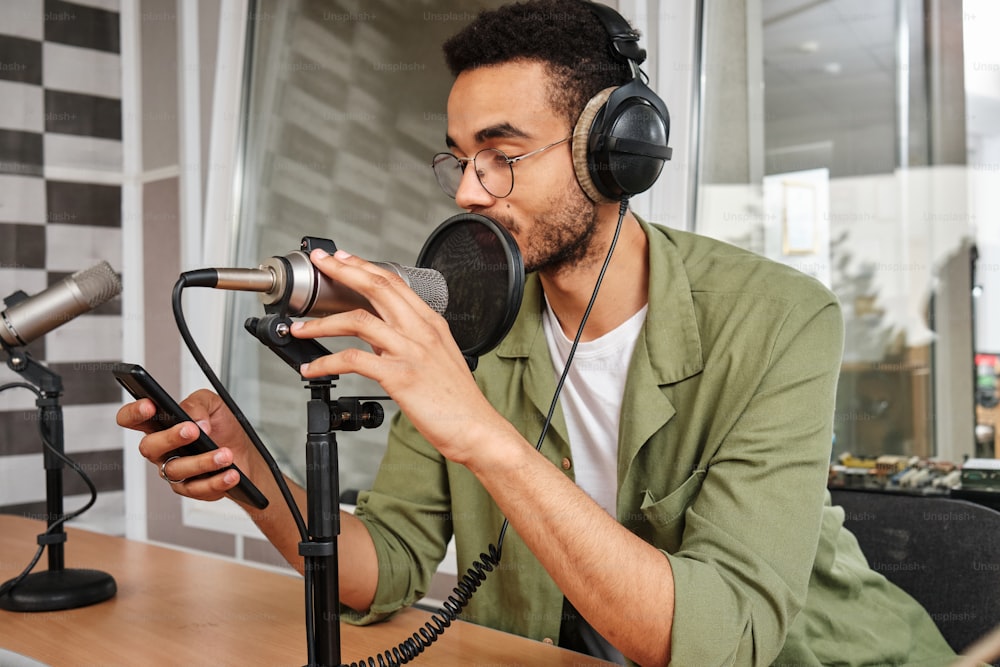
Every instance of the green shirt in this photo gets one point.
(723, 456)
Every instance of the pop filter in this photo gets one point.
(482, 265)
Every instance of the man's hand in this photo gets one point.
(207, 411)
(413, 357)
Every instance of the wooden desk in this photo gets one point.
(185, 609)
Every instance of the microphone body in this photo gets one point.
(32, 317)
(304, 291)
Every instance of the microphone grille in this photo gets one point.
(429, 285)
(97, 284)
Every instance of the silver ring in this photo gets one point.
(163, 471)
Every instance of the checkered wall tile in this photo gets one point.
(60, 212)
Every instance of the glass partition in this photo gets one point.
(831, 138)
(828, 144)
(982, 98)
(344, 109)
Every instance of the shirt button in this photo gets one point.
(567, 464)
(548, 640)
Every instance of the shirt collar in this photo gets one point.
(671, 330)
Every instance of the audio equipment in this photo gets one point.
(292, 285)
(23, 320)
(484, 270)
(27, 318)
(470, 271)
(620, 139)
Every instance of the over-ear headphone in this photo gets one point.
(620, 139)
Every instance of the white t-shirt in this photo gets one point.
(591, 401)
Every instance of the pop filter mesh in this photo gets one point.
(482, 265)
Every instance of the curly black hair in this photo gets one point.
(563, 34)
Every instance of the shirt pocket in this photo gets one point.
(664, 518)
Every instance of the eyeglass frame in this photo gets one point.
(464, 162)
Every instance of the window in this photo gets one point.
(833, 139)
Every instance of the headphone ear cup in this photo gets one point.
(617, 171)
(585, 125)
(620, 143)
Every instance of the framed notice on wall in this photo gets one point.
(797, 221)
(800, 233)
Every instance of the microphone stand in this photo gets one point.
(324, 416)
(57, 587)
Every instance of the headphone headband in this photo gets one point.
(624, 39)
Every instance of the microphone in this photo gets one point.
(470, 271)
(28, 318)
(293, 283)
(24, 320)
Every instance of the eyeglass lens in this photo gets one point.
(492, 168)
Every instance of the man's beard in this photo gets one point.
(561, 237)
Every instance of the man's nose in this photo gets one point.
(471, 194)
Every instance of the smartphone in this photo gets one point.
(138, 382)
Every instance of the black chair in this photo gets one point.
(942, 551)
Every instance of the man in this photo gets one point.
(674, 513)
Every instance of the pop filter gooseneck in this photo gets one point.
(482, 265)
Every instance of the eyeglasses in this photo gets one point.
(494, 169)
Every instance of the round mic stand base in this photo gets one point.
(59, 589)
